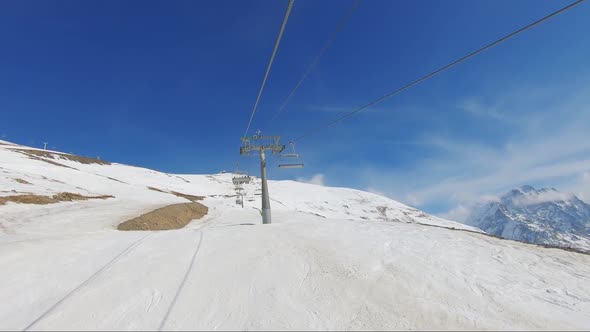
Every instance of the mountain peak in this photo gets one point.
(520, 191)
(526, 188)
(543, 216)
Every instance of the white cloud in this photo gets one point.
(547, 145)
(547, 196)
(477, 107)
(317, 179)
(581, 187)
(584, 193)
(459, 213)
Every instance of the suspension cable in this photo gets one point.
(438, 71)
(316, 59)
(272, 57)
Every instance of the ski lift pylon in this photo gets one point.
(290, 160)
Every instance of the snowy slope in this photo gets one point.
(130, 186)
(334, 258)
(544, 216)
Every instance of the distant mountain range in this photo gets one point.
(544, 216)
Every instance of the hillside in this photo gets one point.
(544, 216)
(334, 258)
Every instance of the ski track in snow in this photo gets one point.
(178, 292)
(89, 280)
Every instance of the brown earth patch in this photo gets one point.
(40, 199)
(42, 155)
(22, 181)
(110, 178)
(191, 198)
(32, 156)
(156, 189)
(173, 216)
(65, 196)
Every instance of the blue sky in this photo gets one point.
(170, 86)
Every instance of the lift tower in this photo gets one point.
(261, 144)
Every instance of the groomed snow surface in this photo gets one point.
(333, 258)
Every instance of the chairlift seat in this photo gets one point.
(291, 160)
(291, 165)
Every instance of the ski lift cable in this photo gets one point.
(438, 71)
(315, 61)
(269, 66)
(270, 62)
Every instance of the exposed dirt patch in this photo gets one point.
(45, 160)
(169, 217)
(22, 181)
(191, 198)
(110, 178)
(156, 189)
(44, 155)
(39, 199)
(65, 196)
(183, 179)
(28, 199)
(382, 211)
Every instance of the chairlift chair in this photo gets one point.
(240, 177)
(291, 160)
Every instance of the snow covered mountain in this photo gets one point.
(544, 216)
(333, 258)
